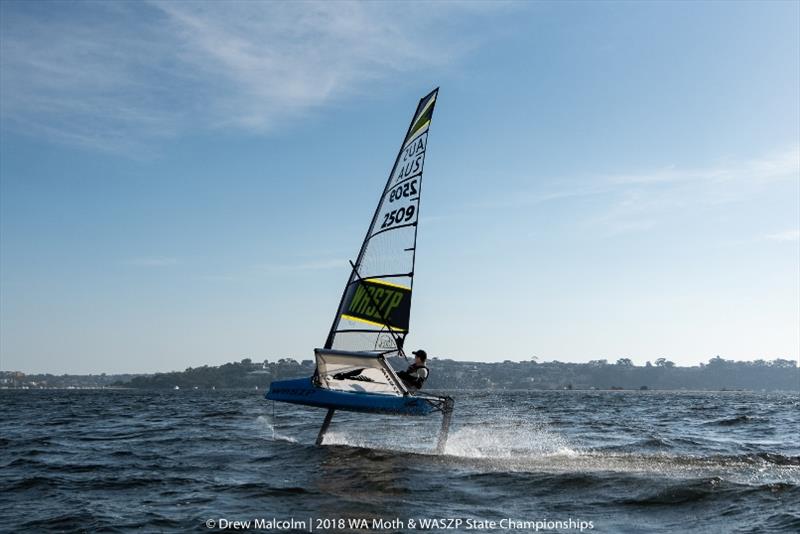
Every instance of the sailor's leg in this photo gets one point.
(325, 424)
(447, 415)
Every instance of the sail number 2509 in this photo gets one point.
(402, 214)
(403, 190)
(398, 216)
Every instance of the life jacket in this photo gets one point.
(418, 380)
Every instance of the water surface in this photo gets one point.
(121, 460)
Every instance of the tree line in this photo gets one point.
(447, 374)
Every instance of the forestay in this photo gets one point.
(373, 313)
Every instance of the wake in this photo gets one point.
(267, 425)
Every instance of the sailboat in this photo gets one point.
(372, 320)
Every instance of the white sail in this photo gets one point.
(374, 311)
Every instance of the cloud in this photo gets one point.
(788, 235)
(116, 75)
(151, 262)
(776, 165)
(307, 265)
(642, 200)
(256, 271)
(638, 201)
(335, 263)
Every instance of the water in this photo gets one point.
(119, 461)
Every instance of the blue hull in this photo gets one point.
(303, 391)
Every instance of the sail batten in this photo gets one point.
(373, 314)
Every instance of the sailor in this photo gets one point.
(417, 372)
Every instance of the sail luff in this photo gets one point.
(416, 130)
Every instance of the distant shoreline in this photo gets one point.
(262, 390)
(450, 375)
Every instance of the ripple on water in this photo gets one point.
(164, 461)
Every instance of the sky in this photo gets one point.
(183, 183)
